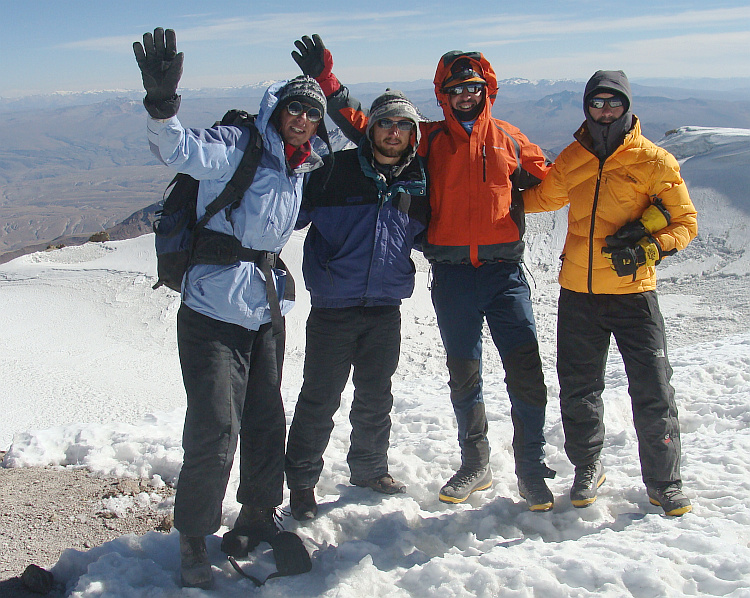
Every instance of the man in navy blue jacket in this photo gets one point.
(365, 219)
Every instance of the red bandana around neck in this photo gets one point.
(297, 155)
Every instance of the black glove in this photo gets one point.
(653, 219)
(627, 260)
(311, 55)
(161, 69)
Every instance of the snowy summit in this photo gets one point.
(90, 378)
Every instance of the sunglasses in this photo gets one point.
(403, 125)
(599, 103)
(296, 108)
(473, 88)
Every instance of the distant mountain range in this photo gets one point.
(76, 164)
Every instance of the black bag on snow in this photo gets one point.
(179, 233)
(290, 555)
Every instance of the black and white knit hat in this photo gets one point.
(303, 89)
(390, 104)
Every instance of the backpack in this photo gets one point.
(182, 240)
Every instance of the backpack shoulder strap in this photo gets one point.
(241, 179)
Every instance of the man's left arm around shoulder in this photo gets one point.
(534, 165)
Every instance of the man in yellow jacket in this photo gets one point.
(629, 208)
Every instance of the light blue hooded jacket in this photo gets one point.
(264, 219)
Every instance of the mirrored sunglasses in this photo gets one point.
(472, 88)
(296, 108)
(403, 125)
(599, 103)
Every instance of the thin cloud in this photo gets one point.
(723, 54)
(688, 51)
(521, 26)
(264, 29)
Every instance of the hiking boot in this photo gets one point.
(464, 482)
(587, 480)
(671, 498)
(253, 526)
(195, 568)
(385, 484)
(536, 493)
(302, 504)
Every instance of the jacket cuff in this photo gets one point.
(162, 109)
(329, 84)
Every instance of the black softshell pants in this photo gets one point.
(584, 326)
(369, 339)
(232, 378)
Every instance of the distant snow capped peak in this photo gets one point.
(535, 82)
(516, 81)
(259, 86)
(689, 141)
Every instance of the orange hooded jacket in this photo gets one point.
(476, 215)
(475, 180)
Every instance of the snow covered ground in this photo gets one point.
(89, 377)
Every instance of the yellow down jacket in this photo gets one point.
(604, 195)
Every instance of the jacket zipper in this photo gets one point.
(484, 163)
(591, 229)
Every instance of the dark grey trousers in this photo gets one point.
(584, 326)
(232, 378)
(368, 338)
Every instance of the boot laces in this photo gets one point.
(277, 515)
(463, 475)
(588, 474)
(671, 491)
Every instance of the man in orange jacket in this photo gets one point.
(477, 166)
(629, 208)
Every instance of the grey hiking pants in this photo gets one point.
(369, 339)
(232, 377)
(584, 325)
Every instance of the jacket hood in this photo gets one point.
(608, 81)
(479, 64)
(268, 104)
(607, 138)
(276, 95)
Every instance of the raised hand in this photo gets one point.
(311, 55)
(161, 69)
(317, 62)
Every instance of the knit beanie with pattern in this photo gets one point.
(393, 104)
(303, 89)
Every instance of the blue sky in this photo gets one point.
(81, 45)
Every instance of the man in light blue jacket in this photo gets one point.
(231, 359)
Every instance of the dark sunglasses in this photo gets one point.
(296, 108)
(599, 103)
(403, 125)
(473, 88)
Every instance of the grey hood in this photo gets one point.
(607, 138)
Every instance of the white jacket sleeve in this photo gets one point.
(202, 153)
